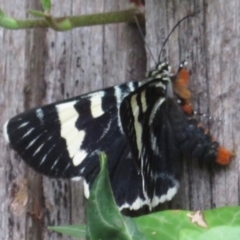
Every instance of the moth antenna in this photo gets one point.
(173, 29)
(145, 43)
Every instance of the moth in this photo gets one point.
(144, 128)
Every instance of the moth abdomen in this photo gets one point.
(195, 141)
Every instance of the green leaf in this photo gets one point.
(1, 13)
(46, 4)
(104, 221)
(8, 22)
(174, 225)
(219, 233)
(77, 231)
(189, 234)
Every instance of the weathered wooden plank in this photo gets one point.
(11, 100)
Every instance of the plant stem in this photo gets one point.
(70, 22)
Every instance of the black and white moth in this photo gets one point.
(143, 127)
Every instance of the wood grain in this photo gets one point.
(42, 66)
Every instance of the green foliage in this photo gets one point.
(46, 4)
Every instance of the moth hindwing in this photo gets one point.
(143, 127)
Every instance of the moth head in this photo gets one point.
(162, 69)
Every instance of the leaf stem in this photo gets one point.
(70, 22)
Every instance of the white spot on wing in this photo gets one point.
(137, 125)
(27, 133)
(54, 164)
(159, 84)
(39, 148)
(120, 93)
(5, 132)
(86, 189)
(143, 185)
(66, 168)
(66, 111)
(76, 179)
(79, 157)
(154, 145)
(73, 137)
(96, 104)
(39, 113)
(131, 86)
(155, 108)
(165, 197)
(45, 156)
(137, 204)
(23, 125)
(43, 159)
(124, 206)
(119, 97)
(171, 192)
(106, 130)
(33, 141)
(143, 101)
